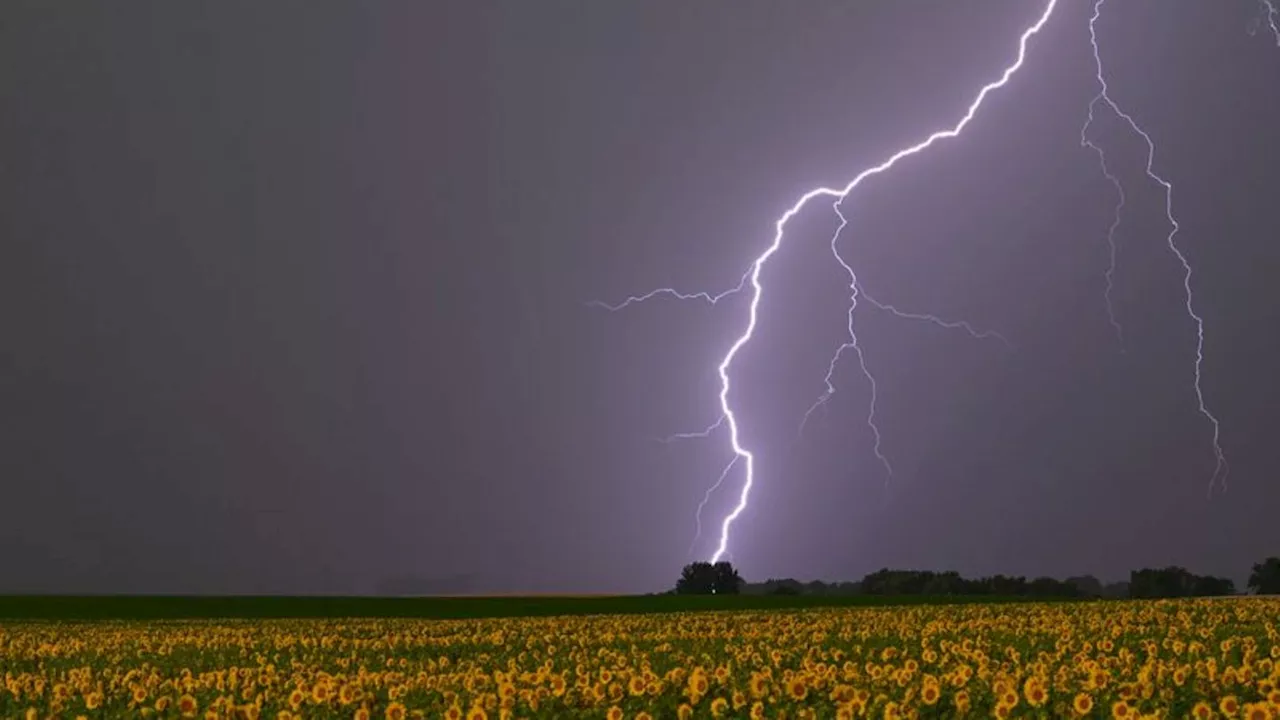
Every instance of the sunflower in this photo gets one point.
(1229, 706)
(1258, 711)
(698, 683)
(187, 705)
(477, 713)
(961, 700)
(930, 694)
(719, 706)
(1035, 693)
(614, 713)
(1082, 703)
(395, 711)
(797, 689)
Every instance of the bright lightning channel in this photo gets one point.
(753, 275)
(1268, 19)
(1221, 467)
(697, 516)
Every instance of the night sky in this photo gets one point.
(294, 295)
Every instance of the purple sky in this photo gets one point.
(293, 295)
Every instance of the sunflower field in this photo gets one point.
(1215, 658)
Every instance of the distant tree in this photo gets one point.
(848, 588)
(1008, 586)
(697, 578)
(1049, 587)
(1165, 582)
(703, 578)
(945, 583)
(1209, 586)
(1086, 585)
(774, 586)
(816, 587)
(727, 580)
(1265, 579)
(1116, 590)
(1174, 581)
(887, 582)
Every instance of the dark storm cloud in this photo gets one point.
(293, 296)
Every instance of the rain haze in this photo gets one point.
(295, 296)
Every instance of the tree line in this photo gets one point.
(721, 578)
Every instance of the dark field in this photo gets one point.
(146, 607)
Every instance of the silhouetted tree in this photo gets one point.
(697, 578)
(727, 580)
(1086, 585)
(943, 583)
(1049, 587)
(1265, 579)
(1116, 590)
(1209, 586)
(1174, 581)
(815, 587)
(703, 578)
(1166, 582)
(1008, 586)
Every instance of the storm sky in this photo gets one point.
(293, 296)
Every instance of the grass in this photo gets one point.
(157, 607)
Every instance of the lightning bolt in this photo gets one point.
(697, 517)
(850, 344)
(934, 319)
(837, 195)
(700, 434)
(1267, 17)
(856, 290)
(1221, 467)
(1115, 223)
(706, 297)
